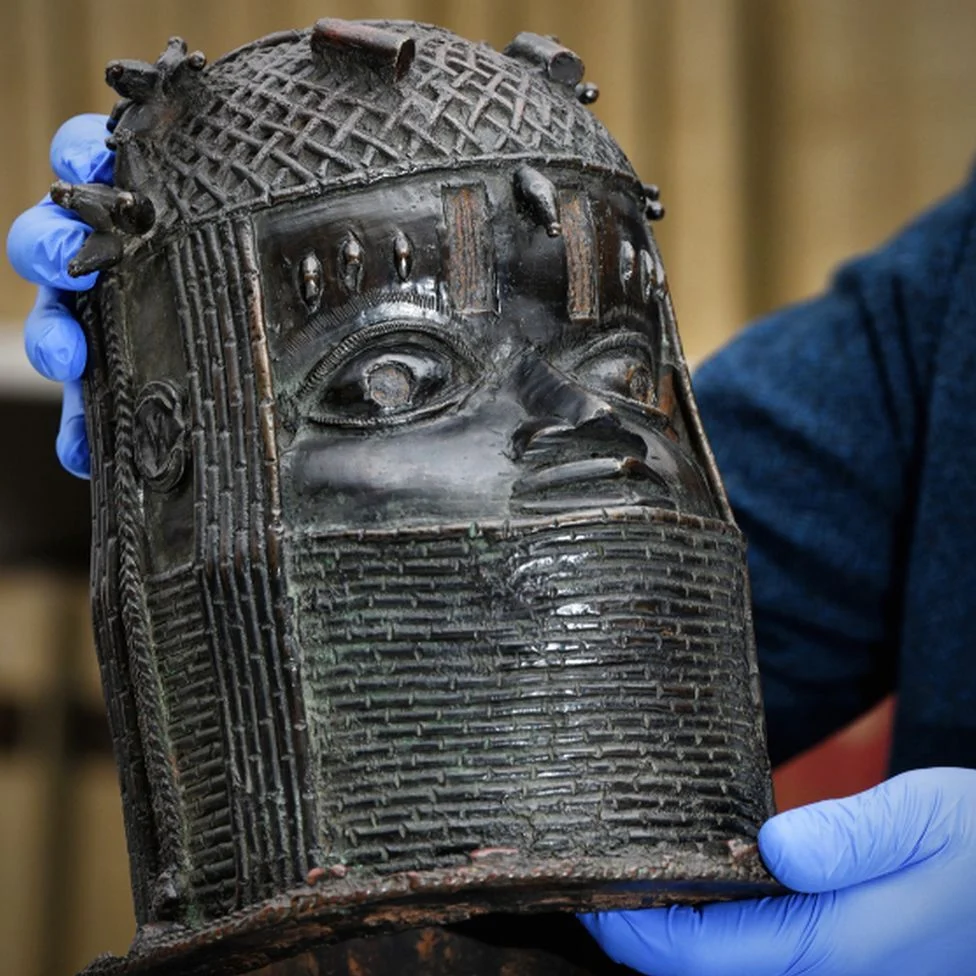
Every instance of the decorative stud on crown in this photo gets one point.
(386, 52)
(653, 208)
(111, 213)
(558, 63)
(174, 70)
(538, 195)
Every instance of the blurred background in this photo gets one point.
(786, 135)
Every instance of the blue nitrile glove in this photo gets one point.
(891, 882)
(40, 244)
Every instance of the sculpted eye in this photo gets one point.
(385, 374)
(380, 382)
(621, 364)
(390, 385)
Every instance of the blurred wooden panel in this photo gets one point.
(702, 236)
(98, 911)
(31, 762)
(866, 116)
(29, 632)
(23, 801)
(940, 98)
(27, 112)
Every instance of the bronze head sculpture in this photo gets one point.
(417, 593)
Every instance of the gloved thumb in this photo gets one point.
(835, 844)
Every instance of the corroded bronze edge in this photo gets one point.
(313, 915)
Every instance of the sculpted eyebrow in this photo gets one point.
(327, 321)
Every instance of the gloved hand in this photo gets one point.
(40, 244)
(889, 876)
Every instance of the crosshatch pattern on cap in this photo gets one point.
(282, 123)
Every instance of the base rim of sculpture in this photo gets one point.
(333, 908)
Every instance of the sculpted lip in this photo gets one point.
(591, 482)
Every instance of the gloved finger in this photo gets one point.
(53, 339)
(42, 241)
(758, 938)
(838, 843)
(72, 442)
(79, 153)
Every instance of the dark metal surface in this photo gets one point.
(560, 65)
(496, 945)
(417, 594)
(387, 52)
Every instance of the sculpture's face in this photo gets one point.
(489, 500)
(439, 356)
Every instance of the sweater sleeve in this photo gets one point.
(817, 417)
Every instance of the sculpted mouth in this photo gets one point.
(601, 482)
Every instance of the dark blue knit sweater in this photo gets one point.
(845, 429)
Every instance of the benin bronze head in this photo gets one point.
(417, 592)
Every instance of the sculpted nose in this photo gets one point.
(575, 451)
(565, 420)
(545, 393)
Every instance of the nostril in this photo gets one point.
(601, 423)
(594, 410)
(590, 409)
(577, 474)
(529, 434)
(555, 443)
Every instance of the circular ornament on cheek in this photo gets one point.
(160, 435)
